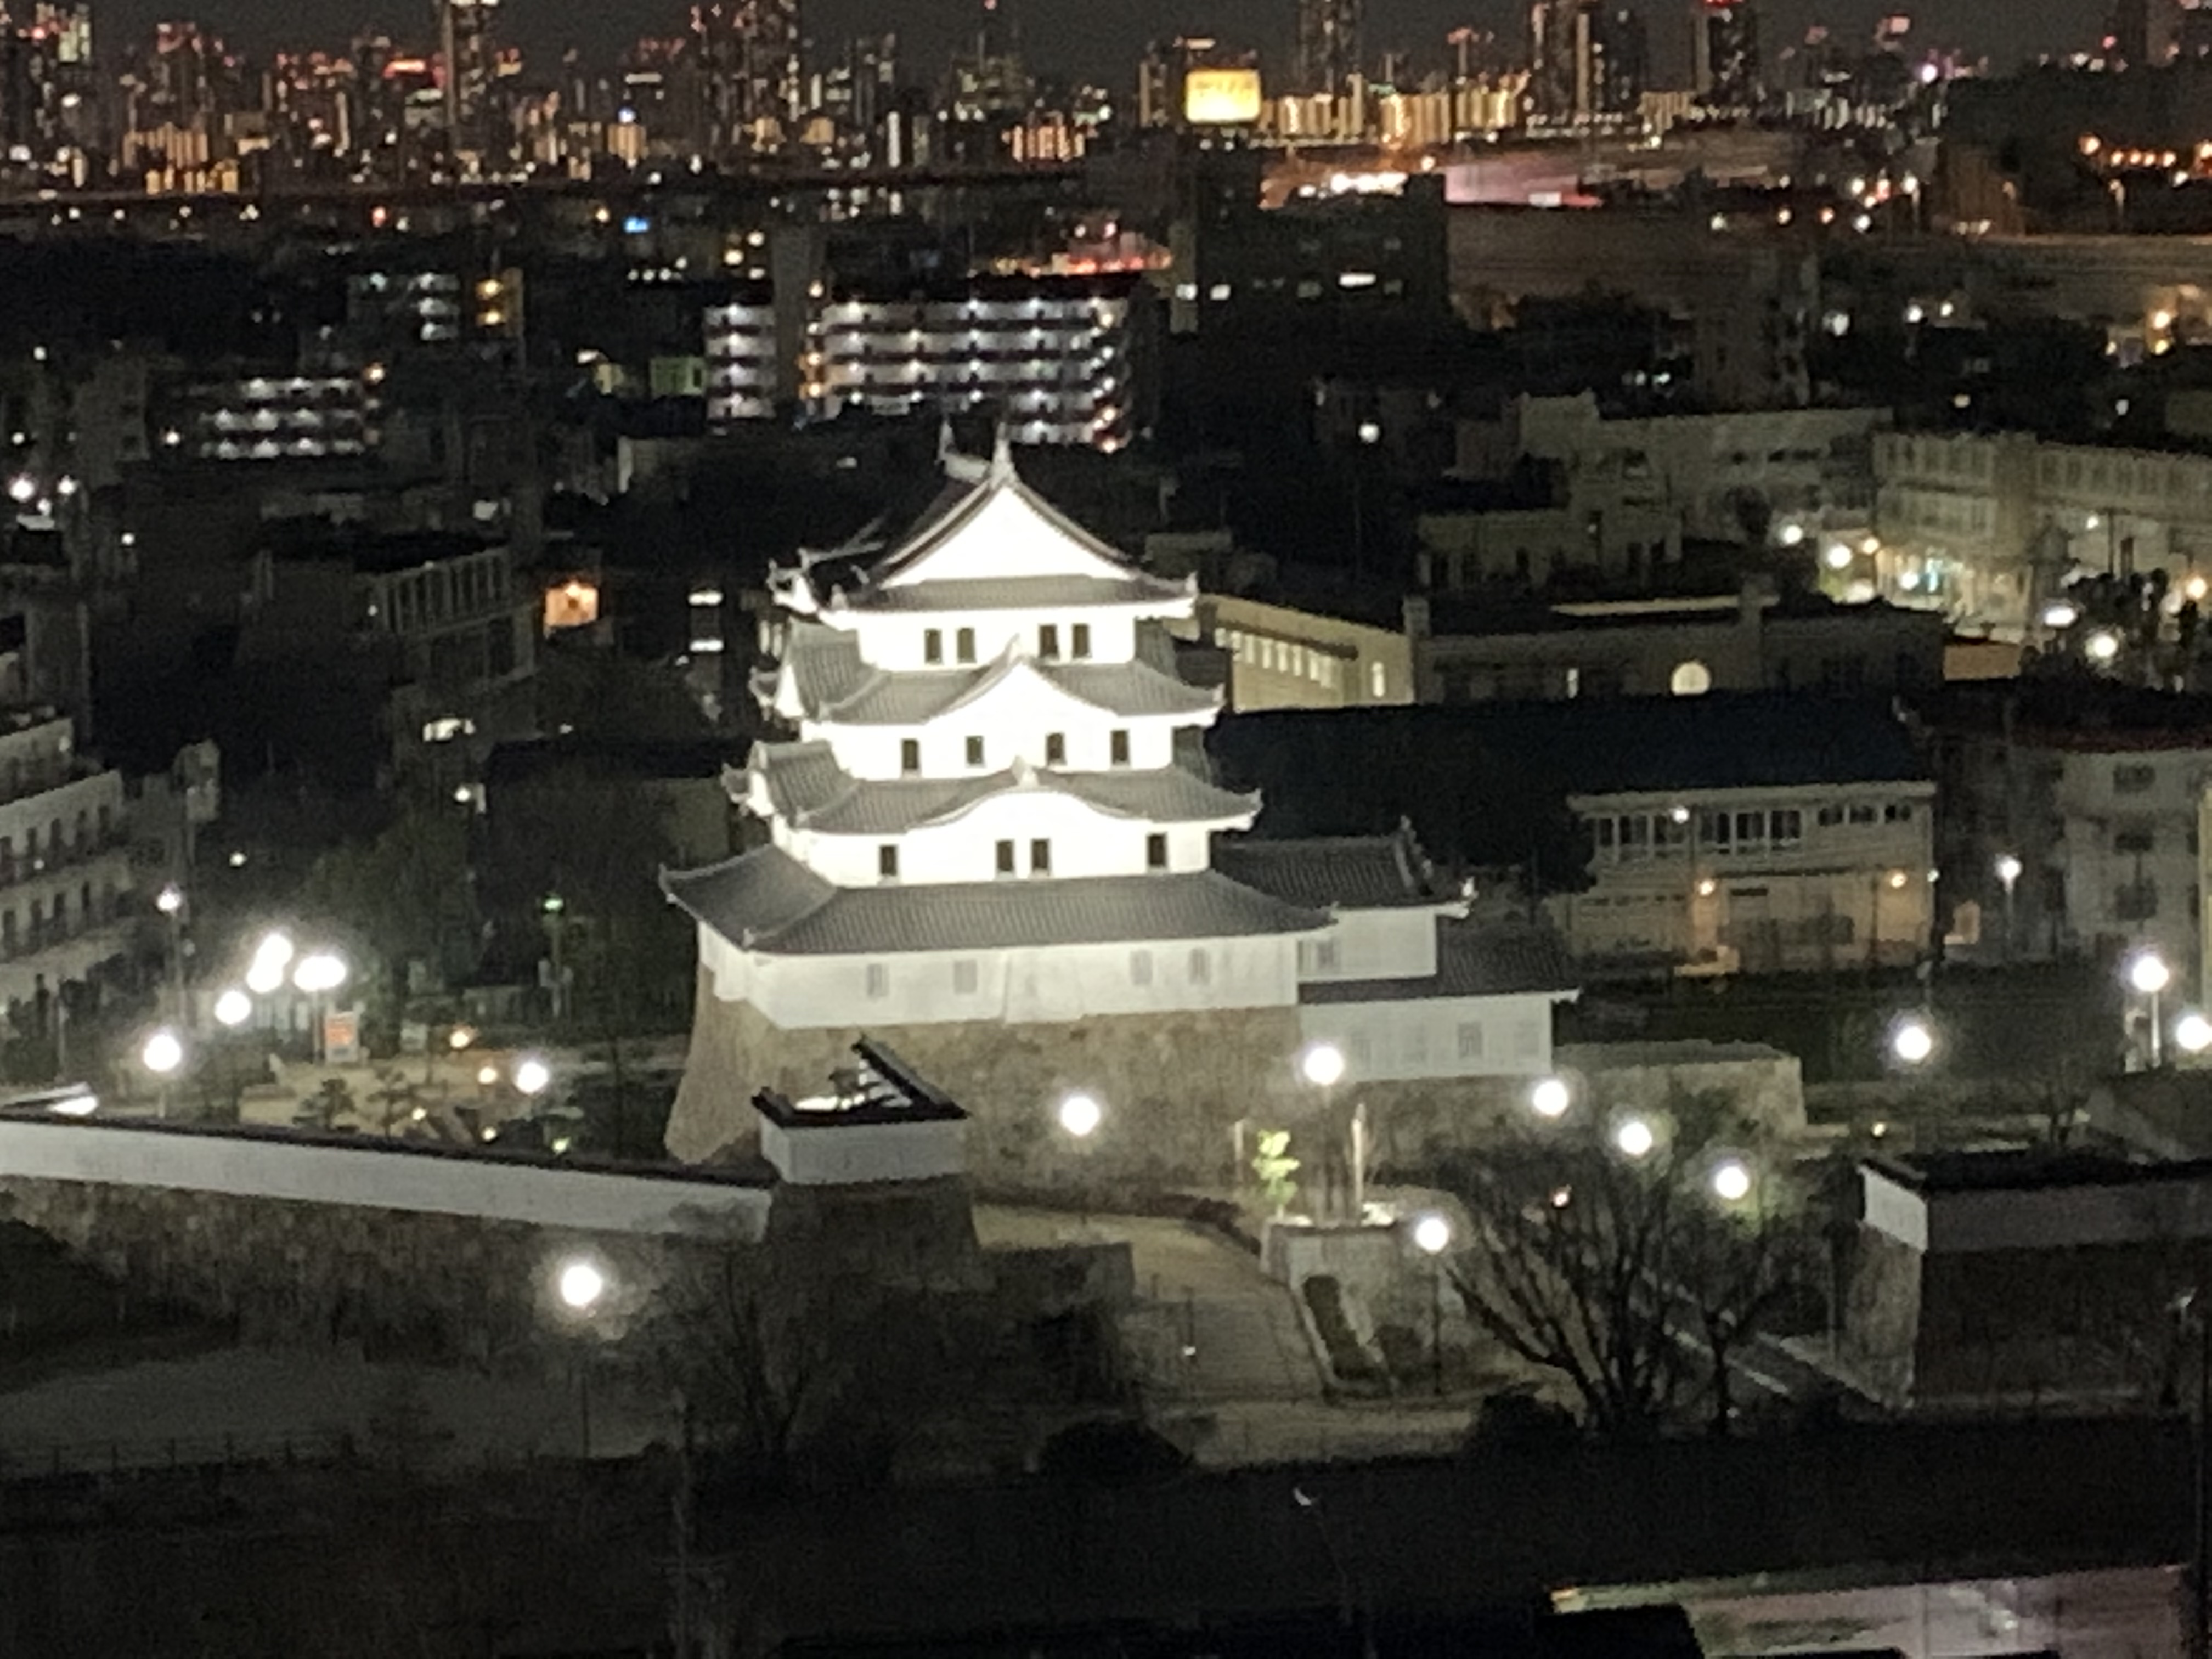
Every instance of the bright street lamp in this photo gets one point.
(1321, 1065)
(2008, 869)
(318, 974)
(1433, 1236)
(2149, 974)
(170, 900)
(234, 1008)
(459, 1038)
(2192, 1033)
(581, 1283)
(1731, 1181)
(1635, 1137)
(531, 1076)
(1080, 1115)
(163, 1053)
(1912, 1041)
(1550, 1097)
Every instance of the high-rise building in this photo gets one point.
(1587, 61)
(1725, 53)
(468, 63)
(751, 51)
(1329, 46)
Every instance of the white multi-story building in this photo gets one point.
(1052, 357)
(1989, 525)
(991, 839)
(2071, 817)
(1752, 835)
(64, 859)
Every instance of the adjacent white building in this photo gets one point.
(1988, 525)
(64, 859)
(992, 811)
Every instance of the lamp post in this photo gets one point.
(2009, 869)
(170, 901)
(1321, 1064)
(1433, 1236)
(163, 1053)
(315, 977)
(1079, 1116)
(231, 1010)
(2148, 976)
(581, 1284)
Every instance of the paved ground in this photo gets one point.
(2120, 1613)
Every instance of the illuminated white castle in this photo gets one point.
(991, 841)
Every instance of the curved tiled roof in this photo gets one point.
(834, 684)
(811, 790)
(766, 900)
(1345, 873)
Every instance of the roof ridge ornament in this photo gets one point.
(1024, 771)
(1003, 471)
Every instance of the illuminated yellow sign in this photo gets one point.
(1221, 97)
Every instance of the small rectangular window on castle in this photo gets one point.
(1079, 640)
(932, 644)
(1156, 852)
(880, 981)
(887, 861)
(964, 978)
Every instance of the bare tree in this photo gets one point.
(1631, 1278)
(776, 1367)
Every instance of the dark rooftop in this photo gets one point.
(1474, 958)
(1344, 872)
(369, 553)
(2031, 1169)
(648, 760)
(1488, 784)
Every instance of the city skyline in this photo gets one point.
(1061, 36)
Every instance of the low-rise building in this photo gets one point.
(64, 861)
(1755, 640)
(2069, 822)
(1999, 1279)
(1287, 656)
(1731, 477)
(1988, 525)
(1732, 832)
(431, 633)
(1750, 843)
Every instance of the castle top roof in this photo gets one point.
(990, 542)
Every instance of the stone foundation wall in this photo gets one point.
(434, 1285)
(1173, 1087)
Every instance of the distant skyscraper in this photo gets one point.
(752, 52)
(468, 62)
(1552, 60)
(1587, 61)
(1329, 52)
(1725, 53)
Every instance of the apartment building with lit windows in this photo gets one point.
(1059, 360)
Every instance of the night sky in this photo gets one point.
(1100, 38)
